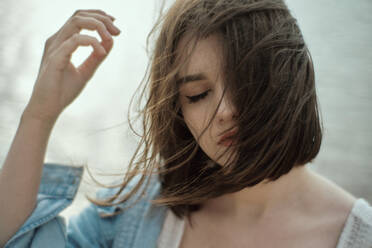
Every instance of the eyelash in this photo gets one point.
(196, 98)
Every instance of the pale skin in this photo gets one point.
(57, 85)
(300, 209)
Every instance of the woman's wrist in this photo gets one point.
(44, 120)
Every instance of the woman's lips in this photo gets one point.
(227, 139)
(227, 142)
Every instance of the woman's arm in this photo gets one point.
(21, 174)
(57, 85)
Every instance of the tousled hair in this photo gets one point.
(269, 74)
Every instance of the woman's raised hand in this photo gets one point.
(59, 82)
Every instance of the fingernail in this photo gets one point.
(113, 18)
(117, 29)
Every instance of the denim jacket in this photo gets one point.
(138, 226)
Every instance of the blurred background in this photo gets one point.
(94, 130)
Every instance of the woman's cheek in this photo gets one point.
(196, 116)
(189, 121)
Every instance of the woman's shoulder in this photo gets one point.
(120, 223)
(147, 194)
(347, 217)
(58, 187)
(138, 207)
(334, 216)
(357, 231)
(137, 215)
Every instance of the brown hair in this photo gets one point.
(271, 78)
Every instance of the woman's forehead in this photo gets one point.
(199, 56)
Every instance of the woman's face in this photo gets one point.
(200, 93)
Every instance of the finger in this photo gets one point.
(77, 23)
(107, 44)
(97, 11)
(64, 52)
(105, 19)
(90, 65)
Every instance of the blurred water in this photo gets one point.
(93, 129)
(340, 39)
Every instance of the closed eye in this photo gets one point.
(196, 98)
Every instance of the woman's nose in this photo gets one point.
(226, 111)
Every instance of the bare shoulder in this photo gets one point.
(332, 204)
(329, 195)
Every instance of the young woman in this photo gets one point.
(230, 126)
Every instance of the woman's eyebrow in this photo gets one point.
(191, 78)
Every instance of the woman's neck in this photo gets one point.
(263, 199)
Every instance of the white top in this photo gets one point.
(171, 234)
(357, 232)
